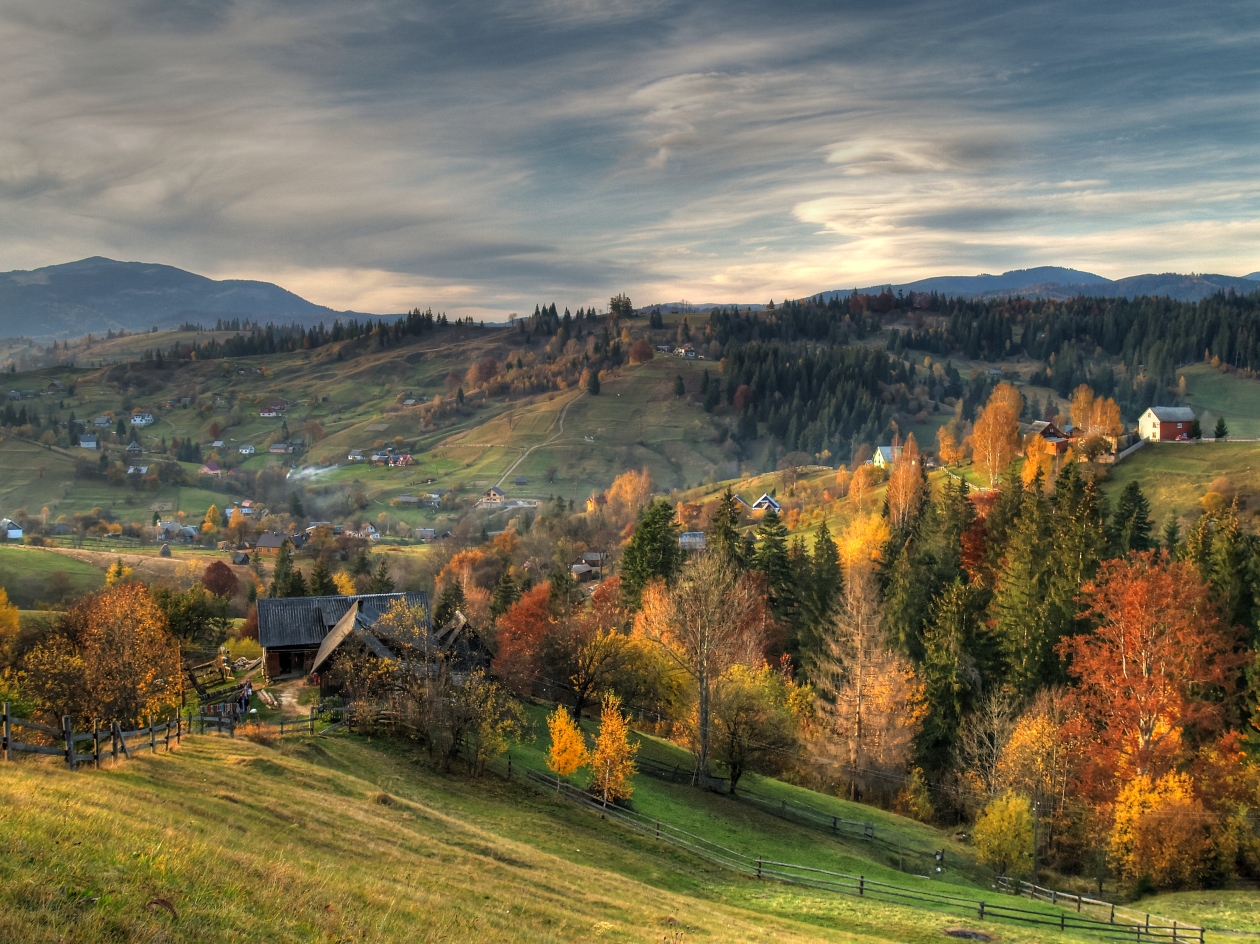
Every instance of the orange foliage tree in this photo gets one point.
(905, 485)
(521, 632)
(629, 492)
(612, 761)
(948, 447)
(1094, 415)
(994, 439)
(110, 657)
(1150, 671)
(567, 752)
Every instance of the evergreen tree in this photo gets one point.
(1170, 537)
(321, 583)
(1196, 431)
(908, 599)
(1019, 594)
(297, 584)
(592, 383)
(1222, 554)
(450, 600)
(723, 537)
(282, 575)
(653, 551)
(506, 592)
(381, 582)
(295, 505)
(959, 662)
(1131, 526)
(774, 560)
(680, 388)
(361, 564)
(1221, 430)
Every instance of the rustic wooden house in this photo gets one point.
(292, 629)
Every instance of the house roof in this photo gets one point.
(1173, 414)
(306, 621)
(271, 539)
(765, 501)
(494, 490)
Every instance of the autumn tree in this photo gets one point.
(755, 724)
(641, 351)
(948, 447)
(1095, 416)
(1003, 835)
(10, 626)
(612, 760)
(870, 703)
(861, 484)
(1162, 833)
(994, 440)
(567, 752)
(522, 631)
(118, 573)
(219, 580)
(584, 650)
(906, 486)
(211, 522)
(111, 656)
(709, 619)
(1152, 670)
(630, 491)
(196, 617)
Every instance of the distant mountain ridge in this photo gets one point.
(1058, 282)
(95, 295)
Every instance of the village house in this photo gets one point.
(137, 470)
(493, 496)
(10, 529)
(1053, 439)
(766, 503)
(279, 449)
(885, 456)
(134, 448)
(1166, 423)
(355, 455)
(211, 468)
(142, 419)
(596, 502)
(246, 450)
(691, 541)
(103, 421)
(292, 630)
(87, 441)
(269, 543)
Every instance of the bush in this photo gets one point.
(1003, 835)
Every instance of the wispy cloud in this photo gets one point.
(482, 155)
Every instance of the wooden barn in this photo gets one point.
(292, 629)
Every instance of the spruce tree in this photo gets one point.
(1170, 536)
(506, 592)
(826, 579)
(297, 584)
(653, 551)
(450, 600)
(321, 580)
(773, 560)
(1019, 594)
(381, 581)
(680, 388)
(723, 537)
(282, 575)
(1221, 430)
(908, 599)
(1131, 526)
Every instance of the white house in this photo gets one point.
(766, 503)
(87, 441)
(1164, 423)
(9, 528)
(246, 450)
(885, 456)
(142, 419)
(102, 421)
(354, 455)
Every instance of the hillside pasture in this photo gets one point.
(1175, 476)
(1230, 394)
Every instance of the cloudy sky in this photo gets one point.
(479, 156)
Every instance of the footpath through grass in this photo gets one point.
(342, 839)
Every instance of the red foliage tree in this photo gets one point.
(219, 580)
(521, 634)
(1150, 672)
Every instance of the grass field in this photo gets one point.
(335, 839)
(1231, 395)
(1174, 476)
(26, 573)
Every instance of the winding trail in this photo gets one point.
(556, 435)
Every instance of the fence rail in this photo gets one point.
(104, 741)
(1116, 927)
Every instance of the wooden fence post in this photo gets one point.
(179, 728)
(96, 743)
(982, 911)
(861, 886)
(312, 719)
(168, 735)
(7, 732)
(152, 737)
(67, 730)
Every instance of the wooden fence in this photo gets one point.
(106, 741)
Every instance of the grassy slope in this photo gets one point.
(24, 573)
(1174, 476)
(1231, 395)
(290, 844)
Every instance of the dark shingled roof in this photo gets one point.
(305, 621)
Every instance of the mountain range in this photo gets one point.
(96, 295)
(1058, 282)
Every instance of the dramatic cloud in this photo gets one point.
(482, 155)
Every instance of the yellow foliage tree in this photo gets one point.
(344, 583)
(862, 542)
(612, 761)
(9, 627)
(1003, 835)
(629, 492)
(1094, 415)
(1162, 832)
(862, 483)
(211, 522)
(995, 437)
(118, 573)
(568, 748)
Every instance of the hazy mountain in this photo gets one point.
(1057, 282)
(95, 295)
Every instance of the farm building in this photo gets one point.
(766, 503)
(292, 630)
(691, 540)
(211, 468)
(1165, 423)
(87, 442)
(1053, 438)
(493, 496)
(269, 542)
(10, 530)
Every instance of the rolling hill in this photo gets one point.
(95, 295)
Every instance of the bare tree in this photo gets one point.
(710, 619)
(983, 738)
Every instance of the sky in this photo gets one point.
(479, 156)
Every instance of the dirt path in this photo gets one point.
(547, 442)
